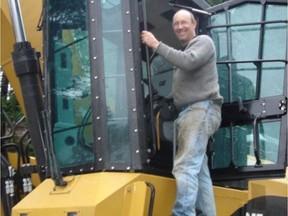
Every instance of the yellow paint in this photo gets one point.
(100, 194)
(136, 199)
(13, 156)
(229, 200)
(269, 187)
(126, 194)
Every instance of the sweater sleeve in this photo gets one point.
(196, 54)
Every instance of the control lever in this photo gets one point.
(242, 109)
(256, 141)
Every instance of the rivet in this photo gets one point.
(99, 138)
(98, 117)
(112, 167)
(136, 130)
(133, 89)
(97, 97)
(96, 77)
(94, 57)
(137, 151)
(92, 2)
(93, 20)
(134, 110)
(94, 38)
(127, 12)
(100, 159)
(129, 30)
(128, 168)
(131, 69)
(130, 50)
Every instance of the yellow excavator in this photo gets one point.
(100, 116)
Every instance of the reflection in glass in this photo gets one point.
(70, 83)
(219, 37)
(234, 145)
(275, 41)
(276, 12)
(218, 19)
(115, 82)
(246, 13)
(243, 81)
(245, 42)
(249, 63)
(272, 79)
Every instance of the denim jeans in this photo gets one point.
(195, 125)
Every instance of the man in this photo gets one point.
(196, 95)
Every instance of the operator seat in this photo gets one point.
(162, 78)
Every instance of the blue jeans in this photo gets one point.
(195, 125)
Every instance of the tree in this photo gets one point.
(215, 2)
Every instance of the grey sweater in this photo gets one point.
(195, 77)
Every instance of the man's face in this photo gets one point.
(184, 27)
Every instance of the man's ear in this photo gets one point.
(194, 23)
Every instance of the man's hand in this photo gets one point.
(149, 39)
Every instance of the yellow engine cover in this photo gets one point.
(105, 193)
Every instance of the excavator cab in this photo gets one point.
(105, 90)
(110, 97)
(96, 86)
(108, 108)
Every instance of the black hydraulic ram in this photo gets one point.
(27, 68)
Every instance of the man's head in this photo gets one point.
(184, 25)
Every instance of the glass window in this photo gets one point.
(242, 83)
(241, 76)
(218, 19)
(275, 41)
(246, 13)
(276, 12)
(272, 79)
(222, 148)
(69, 72)
(115, 82)
(224, 81)
(219, 36)
(162, 76)
(234, 145)
(245, 42)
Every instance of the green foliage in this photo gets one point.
(215, 2)
(11, 107)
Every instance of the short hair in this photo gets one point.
(186, 11)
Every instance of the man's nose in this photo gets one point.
(178, 26)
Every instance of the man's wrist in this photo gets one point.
(156, 45)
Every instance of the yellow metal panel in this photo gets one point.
(35, 176)
(98, 194)
(229, 200)
(270, 187)
(135, 199)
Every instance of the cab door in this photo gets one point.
(251, 44)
